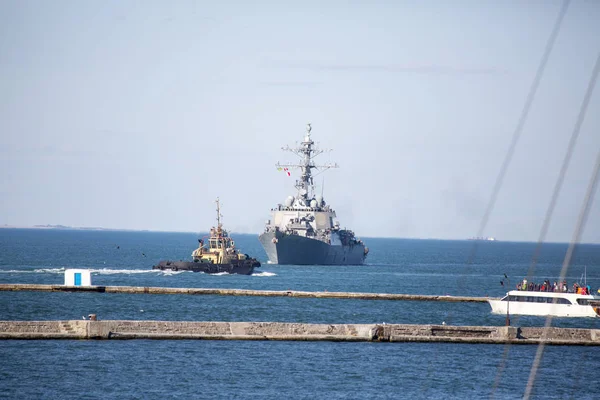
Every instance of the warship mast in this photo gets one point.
(307, 151)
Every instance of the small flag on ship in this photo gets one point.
(287, 171)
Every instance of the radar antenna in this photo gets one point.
(307, 151)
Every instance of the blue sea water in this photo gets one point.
(239, 369)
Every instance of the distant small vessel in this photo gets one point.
(487, 238)
(557, 304)
(219, 256)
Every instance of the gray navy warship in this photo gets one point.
(304, 230)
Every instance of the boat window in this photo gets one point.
(539, 299)
(517, 298)
(583, 302)
(560, 300)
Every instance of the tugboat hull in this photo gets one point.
(243, 267)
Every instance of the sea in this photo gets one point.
(204, 369)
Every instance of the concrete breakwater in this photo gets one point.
(236, 292)
(182, 330)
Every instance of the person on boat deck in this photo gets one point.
(524, 284)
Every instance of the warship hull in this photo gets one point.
(298, 250)
(243, 267)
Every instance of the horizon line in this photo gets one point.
(92, 228)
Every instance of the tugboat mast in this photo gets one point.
(218, 213)
(307, 153)
(219, 224)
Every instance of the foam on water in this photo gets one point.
(45, 271)
(170, 272)
(103, 271)
(28, 271)
(264, 273)
(109, 271)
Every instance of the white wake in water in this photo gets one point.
(108, 271)
(34, 271)
(264, 273)
(103, 271)
(111, 271)
(48, 270)
(170, 272)
(29, 271)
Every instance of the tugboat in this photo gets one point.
(220, 255)
(304, 230)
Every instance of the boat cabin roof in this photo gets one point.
(550, 297)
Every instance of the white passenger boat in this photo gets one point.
(557, 304)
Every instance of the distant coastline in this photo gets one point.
(72, 228)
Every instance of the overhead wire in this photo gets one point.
(579, 227)
(563, 170)
(513, 144)
(520, 124)
(556, 192)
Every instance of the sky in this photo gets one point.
(139, 114)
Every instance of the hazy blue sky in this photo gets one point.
(138, 114)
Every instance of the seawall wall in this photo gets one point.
(209, 330)
(236, 292)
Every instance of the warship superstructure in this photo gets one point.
(305, 230)
(219, 255)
